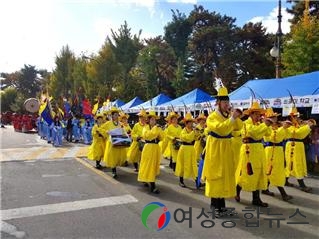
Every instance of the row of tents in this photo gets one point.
(272, 92)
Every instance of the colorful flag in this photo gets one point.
(95, 108)
(86, 107)
(45, 113)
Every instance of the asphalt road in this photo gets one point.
(66, 197)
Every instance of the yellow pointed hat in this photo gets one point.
(114, 110)
(270, 113)
(171, 115)
(294, 112)
(142, 113)
(201, 116)
(99, 115)
(188, 117)
(222, 94)
(123, 115)
(255, 107)
(153, 114)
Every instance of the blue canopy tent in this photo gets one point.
(304, 89)
(118, 103)
(135, 101)
(191, 100)
(157, 100)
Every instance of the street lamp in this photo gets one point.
(275, 51)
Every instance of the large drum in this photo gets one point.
(32, 105)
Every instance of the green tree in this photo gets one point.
(213, 46)
(125, 48)
(9, 79)
(28, 83)
(301, 49)
(103, 72)
(158, 63)
(8, 97)
(62, 82)
(298, 8)
(80, 78)
(253, 54)
(177, 33)
(44, 76)
(18, 104)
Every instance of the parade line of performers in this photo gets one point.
(73, 129)
(232, 154)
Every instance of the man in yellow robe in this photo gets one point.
(218, 169)
(296, 165)
(186, 164)
(173, 133)
(114, 155)
(251, 173)
(134, 151)
(200, 141)
(151, 153)
(275, 159)
(123, 118)
(96, 149)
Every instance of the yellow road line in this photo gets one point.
(34, 155)
(59, 153)
(82, 152)
(99, 172)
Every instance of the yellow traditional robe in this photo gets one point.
(186, 164)
(96, 149)
(236, 141)
(128, 130)
(218, 169)
(275, 158)
(296, 165)
(198, 144)
(164, 146)
(254, 154)
(133, 153)
(151, 155)
(172, 133)
(113, 156)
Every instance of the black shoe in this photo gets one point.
(200, 185)
(220, 214)
(237, 198)
(229, 212)
(267, 192)
(287, 198)
(98, 166)
(155, 191)
(182, 185)
(136, 170)
(146, 185)
(289, 184)
(114, 175)
(306, 189)
(259, 203)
